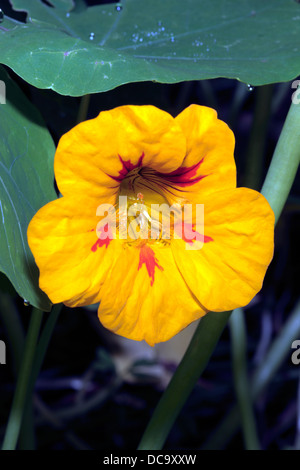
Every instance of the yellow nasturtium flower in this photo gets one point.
(93, 244)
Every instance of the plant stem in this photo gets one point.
(44, 340)
(189, 370)
(273, 360)
(25, 441)
(257, 140)
(83, 108)
(237, 102)
(239, 358)
(285, 162)
(279, 349)
(16, 337)
(19, 400)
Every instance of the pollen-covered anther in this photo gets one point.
(142, 211)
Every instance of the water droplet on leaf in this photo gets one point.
(250, 87)
(92, 36)
(119, 7)
(1, 16)
(26, 303)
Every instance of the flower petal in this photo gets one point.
(61, 236)
(137, 308)
(93, 156)
(229, 270)
(209, 161)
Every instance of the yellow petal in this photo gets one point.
(61, 237)
(229, 270)
(210, 147)
(141, 308)
(95, 154)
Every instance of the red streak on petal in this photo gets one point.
(147, 257)
(184, 176)
(188, 227)
(206, 238)
(106, 236)
(99, 243)
(127, 166)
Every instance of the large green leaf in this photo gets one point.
(88, 50)
(26, 184)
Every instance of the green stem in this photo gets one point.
(19, 400)
(257, 140)
(16, 337)
(279, 349)
(83, 108)
(27, 431)
(285, 162)
(44, 342)
(237, 102)
(188, 372)
(209, 93)
(239, 358)
(275, 357)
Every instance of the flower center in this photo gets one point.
(143, 209)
